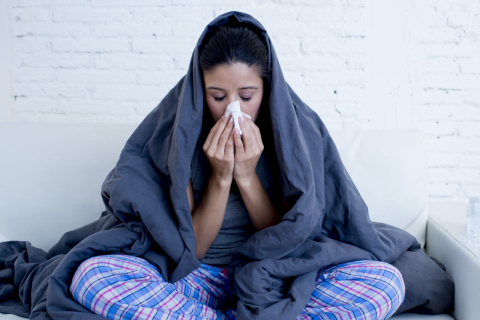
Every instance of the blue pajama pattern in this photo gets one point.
(120, 287)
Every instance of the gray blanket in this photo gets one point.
(273, 273)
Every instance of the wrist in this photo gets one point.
(221, 182)
(246, 183)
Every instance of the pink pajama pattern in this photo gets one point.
(121, 287)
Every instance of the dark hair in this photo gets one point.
(228, 45)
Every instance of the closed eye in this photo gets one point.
(244, 99)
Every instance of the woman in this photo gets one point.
(231, 196)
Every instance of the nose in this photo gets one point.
(235, 98)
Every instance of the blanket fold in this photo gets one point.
(147, 214)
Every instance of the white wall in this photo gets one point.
(6, 103)
(387, 82)
(361, 64)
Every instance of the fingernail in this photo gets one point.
(231, 119)
(241, 118)
(237, 131)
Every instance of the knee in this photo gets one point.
(94, 265)
(385, 281)
(93, 270)
(391, 285)
(393, 277)
(87, 270)
(89, 264)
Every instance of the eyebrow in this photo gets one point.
(242, 88)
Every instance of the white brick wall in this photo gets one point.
(444, 54)
(416, 65)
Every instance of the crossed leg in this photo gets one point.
(125, 287)
(361, 289)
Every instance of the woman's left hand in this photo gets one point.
(247, 152)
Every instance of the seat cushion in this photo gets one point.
(416, 316)
(401, 316)
(10, 317)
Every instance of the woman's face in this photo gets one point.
(229, 83)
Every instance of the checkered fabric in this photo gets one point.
(119, 286)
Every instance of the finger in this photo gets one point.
(238, 144)
(215, 132)
(257, 134)
(224, 137)
(211, 133)
(221, 128)
(229, 145)
(247, 135)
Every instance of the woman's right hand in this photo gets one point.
(219, 149)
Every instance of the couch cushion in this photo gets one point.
(389, 168)
(401, 316)
(52, 176)
(54, 173)
(10, 317)
(416, 316)
(3, 238)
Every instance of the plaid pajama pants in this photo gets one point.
(120, 286)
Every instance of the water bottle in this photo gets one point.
(473, 221)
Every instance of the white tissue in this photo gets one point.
(234, 109)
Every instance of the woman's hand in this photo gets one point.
(247, 152)
(219, 149)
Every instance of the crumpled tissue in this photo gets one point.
(234, 109)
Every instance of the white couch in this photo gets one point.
(51, 177)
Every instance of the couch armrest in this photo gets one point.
(446, 242)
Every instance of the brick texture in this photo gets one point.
(112, 61)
